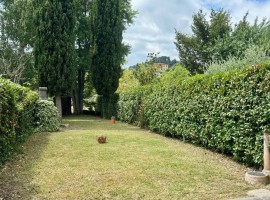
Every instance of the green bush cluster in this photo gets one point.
(131, 105)
(46, 116)
(21, 114)
(17, 107)
(225, 112)
(251, 56)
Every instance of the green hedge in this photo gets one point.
(225, 112)
(46, 116)
(17, 105)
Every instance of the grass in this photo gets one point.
(133, 164)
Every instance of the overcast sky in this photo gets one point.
(154, 27)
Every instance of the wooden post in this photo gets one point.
(266, 154)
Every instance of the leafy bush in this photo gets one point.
(17, 105)
(46, 116)
(131, 105)
(127, 81)
(254, 55)
(176, 72)
(225, 112)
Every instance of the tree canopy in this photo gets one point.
(217, 40)
(54, 45)
(195, 51)
(15, 41)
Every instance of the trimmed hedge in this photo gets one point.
(225, 112)
(17, 105)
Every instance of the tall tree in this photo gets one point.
(242, 37)
(109, 20)
(83, 57)
(195, 51)
(54, 47)
(16, 40)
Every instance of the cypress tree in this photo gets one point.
(54, 48)
(107, 41)
(109, 20)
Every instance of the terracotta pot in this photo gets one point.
(101, 139)
(113, 120)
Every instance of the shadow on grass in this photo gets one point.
(122, 171)
(16, 176)
(89, 122)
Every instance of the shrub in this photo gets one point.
(17, 105)
(131, 104)
(225, 112)
(254, 55)
(46, 116)
(176, 72)
(127, 81)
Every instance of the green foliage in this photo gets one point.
(93, 104)
(131, 105)
(195, 50)
(17, 105)
(216, 40)
(241, 38)
(225, 112)
(83, 56)
(146, 73)
(254, 55)
(108, 105)
(127, 81)
(15, 42)
(46, 116)
(107, 28)
(54, 47)
(109, 19)
(177, 72)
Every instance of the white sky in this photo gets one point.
(154, 27)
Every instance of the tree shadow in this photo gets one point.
(90, 122)
(16, 176)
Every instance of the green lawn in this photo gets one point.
(133, 164)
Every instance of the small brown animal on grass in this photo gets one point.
(101, 139)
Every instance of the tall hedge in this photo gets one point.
(225, 112)
(17, 105)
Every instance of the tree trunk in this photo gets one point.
(58, 103)
(75, 101)
(78, 93)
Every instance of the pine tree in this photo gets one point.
(54, 47)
